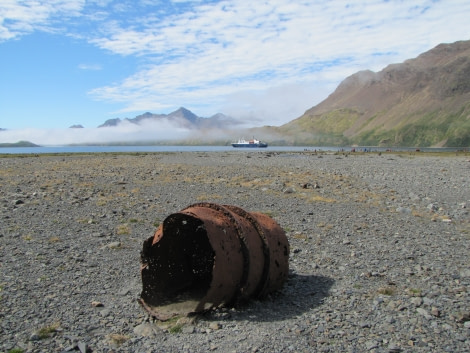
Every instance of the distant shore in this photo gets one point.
(18, 144)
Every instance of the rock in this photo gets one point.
(82, 346)
(371, 344)
(423, 312)
(465, 272)
(215, 326)
(463, 317)
(403, 210)
(409, 271)
(105, 312)
(34, 337)
(112, 245)
(417, 301)
(393, 348)
(124, 291)
(435, 312)
(188, 329)
(288, 190)
(146, 329)
(427, 301)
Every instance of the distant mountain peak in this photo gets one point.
(184, 113)
(111, 122)
(181, 117)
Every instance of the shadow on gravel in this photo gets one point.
(300, 294)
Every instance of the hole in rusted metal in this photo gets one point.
(178, 267)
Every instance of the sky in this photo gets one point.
(68, 62)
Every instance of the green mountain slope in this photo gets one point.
(422, 102)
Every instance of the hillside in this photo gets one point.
(18, 144)
(422, 102)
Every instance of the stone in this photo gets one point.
(403, 210)
(34, 337)
(145, 329)
(423, 312)
(188, 329)
(417, 301)
(288, 190)
(371, 344)
(82, 346)
(215, 326)
(112, 245)
(393, 348)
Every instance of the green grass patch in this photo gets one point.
(16, 350)
(177, 328)
(386, 291)
(48, 331)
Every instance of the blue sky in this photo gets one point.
(66, 62)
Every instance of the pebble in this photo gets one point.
(424, 312)
(417, 301)
(145, 329)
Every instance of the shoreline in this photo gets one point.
(224, 148)
(456, 153)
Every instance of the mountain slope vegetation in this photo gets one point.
(422, 102)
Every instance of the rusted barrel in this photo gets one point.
(209, 255)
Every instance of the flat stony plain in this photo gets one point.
(379, 251)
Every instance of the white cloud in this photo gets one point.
(125, 132)
(231, 48)
(266, 60)
(22, 17)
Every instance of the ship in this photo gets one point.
(253, 143)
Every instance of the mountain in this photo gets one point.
(19, 144)
(77, 126)
(423, 101)
(182, 118)
(111, 122)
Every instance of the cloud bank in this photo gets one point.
(124, 132)
(262, 61)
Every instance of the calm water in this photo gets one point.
(98, 149)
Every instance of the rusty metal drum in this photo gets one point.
(209, 255)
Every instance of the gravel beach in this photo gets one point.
(379, 251)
